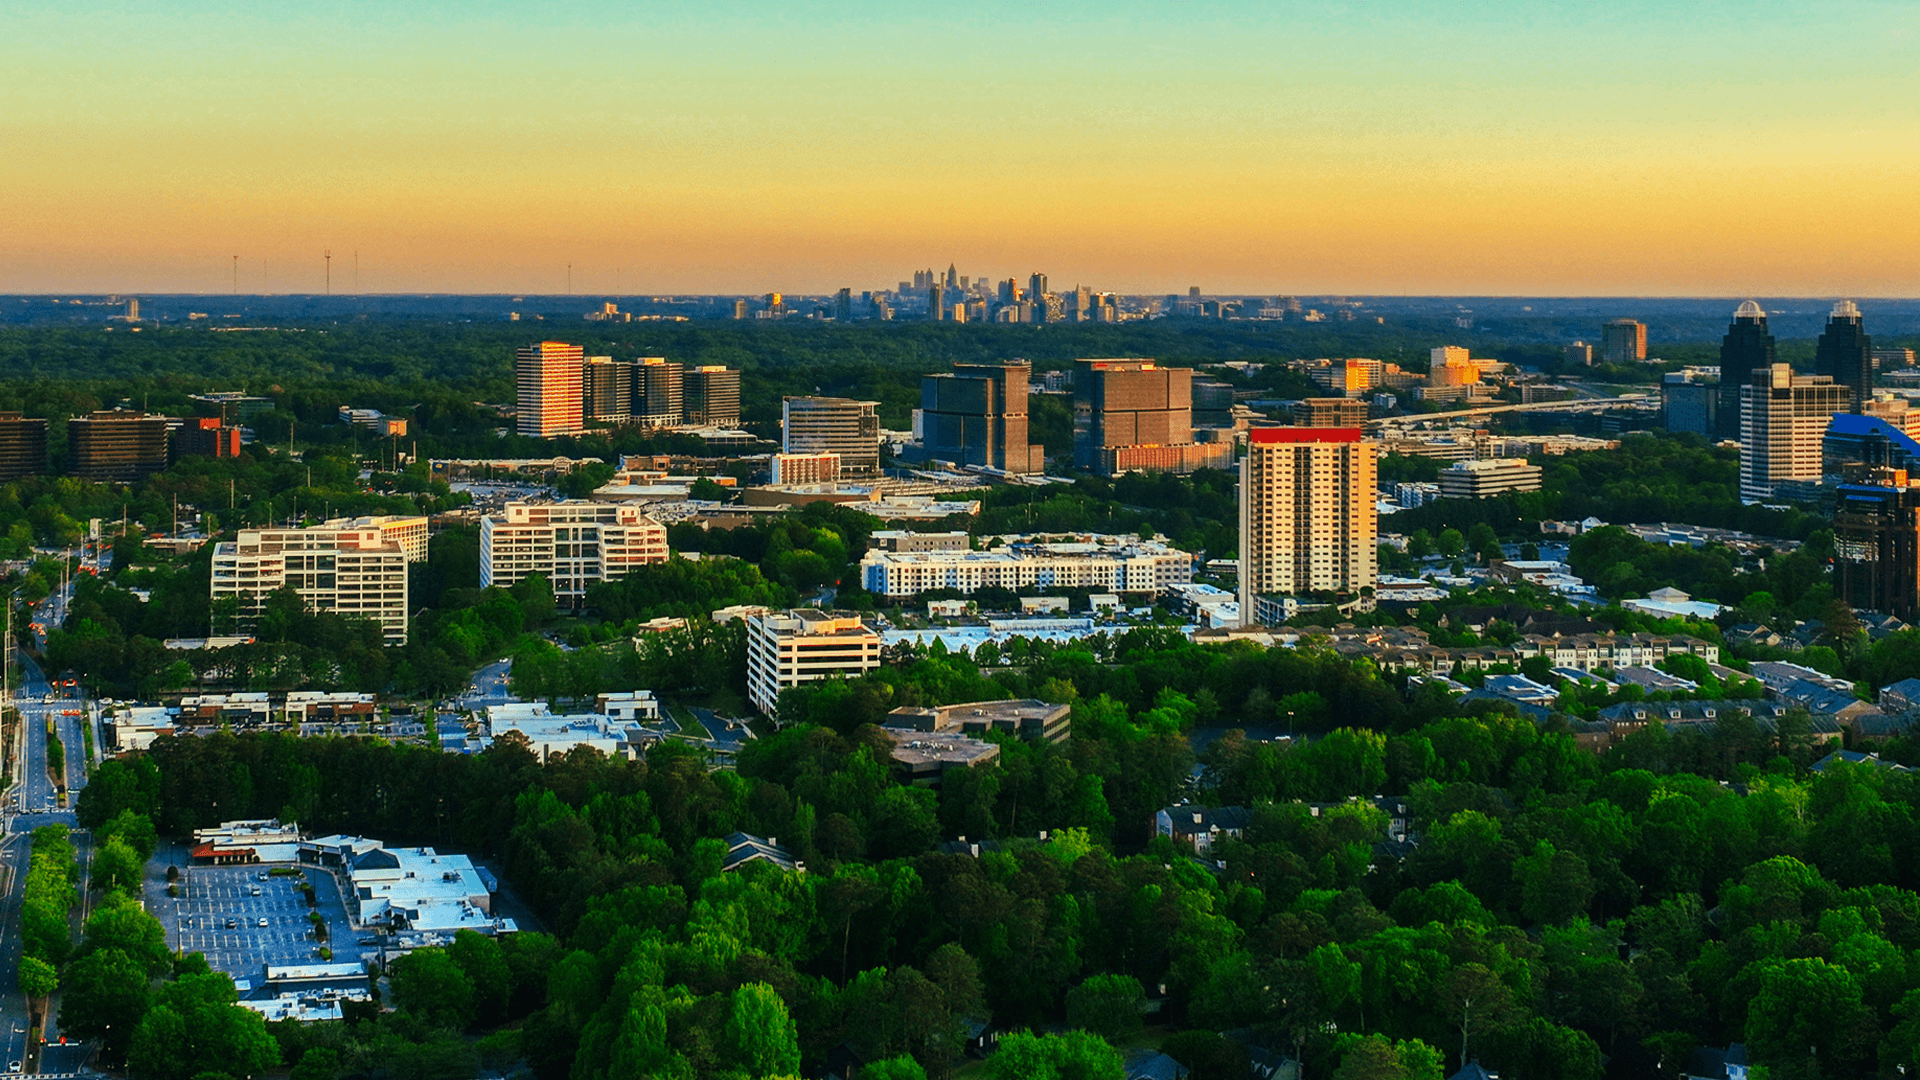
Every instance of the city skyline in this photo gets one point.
(1469, 149)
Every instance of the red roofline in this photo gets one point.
(1304, 435)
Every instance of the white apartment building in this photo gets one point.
(1783, 425)
(1123, 565)
(787, 648)
(357, 572)
(573, 543)
(1488, 477)
(1308, 520)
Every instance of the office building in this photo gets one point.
(575, 544)
(1027, 718)
(1578, 354)
(821, 468)
(1888, 359)
(1134, 415)
(1212, 404)
(116, 445)
(1488, 477)
(712, 394)
(606, 388)
(1783, 422)
(901, 540)
(204, 436)
(232, 407)
(1351, 377)
(742, 309)
(843, 305)
(1746, 348)
(549, 377)
(659, 392)
(978, 416)
(788, 648)
(1329, 412)
(937, 302)
(828, 425)
(350, 570)
(1623, 341)
(1689, 404)
(1308, 522)
(23, 446)
(1876, 544)
(1113, 564)
(1844, 354)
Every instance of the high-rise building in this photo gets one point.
(978, 416)
(353, 570)
(659, 392)
(814, 425)
(1009, 291)
(549, 377)
(953, 277)
(1783, 420)
(133, 310)
(1579, 354)
(116, 445)
(1888, 359)
(575, 544)
(23, 445)
(1036, 286)
(937, 302)
(1688, 404)
(1128, 402)
(1212, 404)
(1623, 341)
(606, 390)
(1308, 522)
(742, 309)
(1745, 349)
(1845, 353)
(713, 395)
(1876, 543)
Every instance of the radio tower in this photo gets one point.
(328, 255)
(236, 275)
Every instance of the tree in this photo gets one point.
(1373, 1057)
(1107, 1005)
(428, 984)
(318, 1063)
(1484, 541)
(1807, 1004)
(37, 977)
(104, 996)
(760, 1035)
(479, 958)
(116, 865)
(1451, 543)
(898, 1068)
(1555, 886)
(1075, 1055)
(1475, 1000)
(127, 928)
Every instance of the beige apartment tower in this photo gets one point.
(1783, 426)
(574, 544)
(354, 570)
(1308, 523)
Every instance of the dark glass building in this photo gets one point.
(1747, 348)
(1845, 353)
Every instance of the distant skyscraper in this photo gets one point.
(953, 277)
(549, 377)
(978, 416)
(741, 309)
(817, 425)
(1308, 521)
(1009, 291)
(937, 302)
(1036, 286)
(1623, 341)
(713, 396)
(1747, 348)
(1783, 421)
(133, 310)
(1845, 353)
(1579, 354)
(843, 305)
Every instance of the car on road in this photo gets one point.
(263, 920)
(232, 925)
(13, 1066)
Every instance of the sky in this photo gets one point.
(1425, 148)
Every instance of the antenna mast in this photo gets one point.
(328, 255)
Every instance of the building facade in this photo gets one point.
(1783, 424)
(548, 376)
(356, 572)
(1135, 566)
(1329, 412)
(1844, 354)
(1623, 341)
(574, 544)
(1876, 545)
(1746, 348)
(823, 468)
(1488, 477)
(713, 396)
(978, 416)
(117, 445)
(788, 648)
(1308, 521)
(23, 445)
(606, 390)
(843, 426)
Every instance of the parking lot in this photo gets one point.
(245, 919)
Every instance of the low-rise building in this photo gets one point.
(788, 648)
(1109, 564)
(419, 889)
(320, 706)
(1029, 718)
(548, 733)
(257, 841)
(1489, 477)
(921, 758)
(574, 544)
(135, 727)
(744, 848)
(629, 706)
(1202, 827)
(354, 571)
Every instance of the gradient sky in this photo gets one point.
(1517, 147)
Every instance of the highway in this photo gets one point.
(1393, 423)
